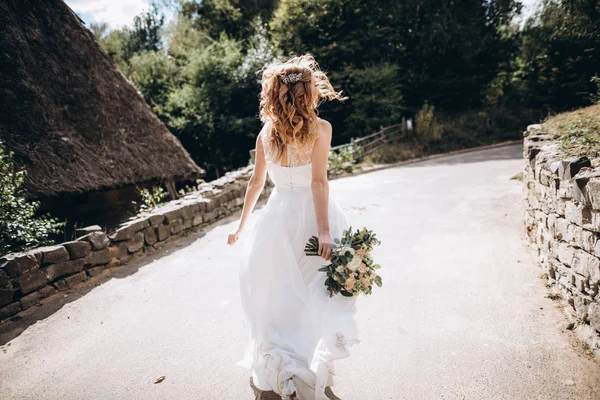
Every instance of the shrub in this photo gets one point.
(483, 126)
(427, 127)
(395, 152)
(341, 161)
(596, 97)
(20, 226)
(151, 199)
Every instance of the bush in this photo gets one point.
(427, 127)
(151, 199)
(596, 97)
(341, 161)
(20, 227)
(395, 152)
(483, 126)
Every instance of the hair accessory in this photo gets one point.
(291, 78)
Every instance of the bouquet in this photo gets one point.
(351, 270)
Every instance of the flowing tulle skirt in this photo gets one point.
(297, 330)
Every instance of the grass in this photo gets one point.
(554, 296)
(518, 177)
(577, 131)
(459, 131)
(395, 152)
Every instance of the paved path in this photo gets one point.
(462, 314)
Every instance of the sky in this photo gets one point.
(117, 13)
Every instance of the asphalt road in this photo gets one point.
(462, 314)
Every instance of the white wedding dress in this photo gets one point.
(297, 330)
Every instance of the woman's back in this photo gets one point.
(293, 168)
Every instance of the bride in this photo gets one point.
(297, 330)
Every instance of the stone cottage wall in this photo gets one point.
(563, 223)
(26, 278)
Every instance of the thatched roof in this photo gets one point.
(70, 116)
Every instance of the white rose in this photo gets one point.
(346, 249)
(355, 263)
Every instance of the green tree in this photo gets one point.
(184, 39)
(155, 74)
(445, 54)
(390, 58)
(375, 97)
(559, 55)
(20, 226)
(455, 49)
(145, 34)
(214, 110)
(122, 44)
(100, 30)
(112, 41)
(233, 17)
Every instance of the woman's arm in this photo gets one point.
(255, 187)
(320, 187)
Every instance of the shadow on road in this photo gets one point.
(509, 152)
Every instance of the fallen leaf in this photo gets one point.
(159, 380)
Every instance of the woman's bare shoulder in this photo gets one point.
(325, 129)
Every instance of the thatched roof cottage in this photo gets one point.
(82, 131)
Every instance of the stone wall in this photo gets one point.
(563, 223)
(26, 278)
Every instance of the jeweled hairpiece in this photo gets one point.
(291, 78)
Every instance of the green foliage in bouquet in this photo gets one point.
(351, 270)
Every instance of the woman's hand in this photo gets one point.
(325, 245)
(233, 237)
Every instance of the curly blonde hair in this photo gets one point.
(291, 92)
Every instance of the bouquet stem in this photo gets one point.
(312, 247)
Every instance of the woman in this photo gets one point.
(297, 329)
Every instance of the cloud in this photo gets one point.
(530, 7)
(115, 13)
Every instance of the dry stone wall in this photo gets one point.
(563, 223)
(27, 278)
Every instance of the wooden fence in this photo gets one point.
(368, 144)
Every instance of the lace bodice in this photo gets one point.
(297, 155)
(297, 173)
